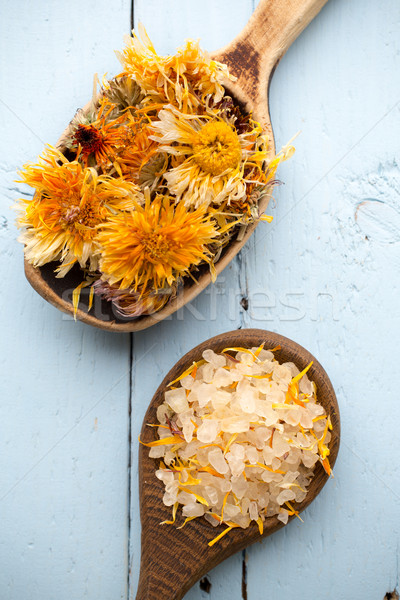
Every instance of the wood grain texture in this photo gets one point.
(65, 386)
(316, 274)
(172, 560)
(252, 55)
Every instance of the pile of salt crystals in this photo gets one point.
(242, 435)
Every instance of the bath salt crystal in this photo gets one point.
(222, 378)
(217, 360)
(265, 356)
(253, 511)
(187, 430)
(309, 459)
(220, 399)
(283, 516)
(193, 510)
(211, 494)
(208, 373)
(157, 452)
(169, 500)
(235, 424)
(243, 442)
(165, 476)
(236, 464)
(239, 486)
(231, 510)
(225, 486)
(237, 450)
(279, 445)
(208, 430)
(268, 455)
(252, 455)
(247, 401)
(189, 450)
(245, 504)
(162, 414)
(264, 409)
(218, 461)
(281, 374)
(187, 382)
(305, 385)
(285, 496)
(205, 393)
(305, 418)
(292, 368)
(176, 399)
(291, 417)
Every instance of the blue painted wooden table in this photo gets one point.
(325, 273)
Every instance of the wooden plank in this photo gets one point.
(168, 24)
(65, 390)
(324, 274)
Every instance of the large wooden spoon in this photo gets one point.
(172, 559)
(252, 56)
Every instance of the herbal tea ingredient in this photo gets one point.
(239, 436)
(150, 182)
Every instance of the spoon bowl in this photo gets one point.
(172, 559)
(252, 57)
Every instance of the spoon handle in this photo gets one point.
(253, 55)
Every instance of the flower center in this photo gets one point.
(216, 147)
(89, 137)
(83, 218)
(155, 245)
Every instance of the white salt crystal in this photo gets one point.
(235, 424)
(309, 459)
(168, 500)
(193, 510)
(165, 476)
(266, 356)
(281, 374)
(225, 485)
(205, 393)
(231, 510)
(215, 359)
(292, 368)
(247, 401)
(279, 444)
(283, 516)
(162, 413)
(187, 382)
(222, 378)
(237, 450)
(177, 400)
(236, 464)
(157, 451)
(305, 418)
(285, 496)
(208, 372)
(239, 486)
(220, 399)
(245, 504)
(188, 430)
(208, 431)
(211, 494)
(305, 385)
(253, 511)
(252, 455)
(217, 461)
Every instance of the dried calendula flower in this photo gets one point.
(239, 436)
(150, 182)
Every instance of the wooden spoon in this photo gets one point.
(172, 559)
(252, 56)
